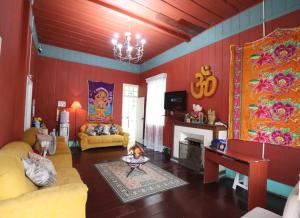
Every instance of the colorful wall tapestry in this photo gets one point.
(100, 102)
(264, 93)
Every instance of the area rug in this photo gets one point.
(138, 184)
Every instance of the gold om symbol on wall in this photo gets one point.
(206, 84)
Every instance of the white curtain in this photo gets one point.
(155, 120)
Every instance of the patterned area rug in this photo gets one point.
(138, 184)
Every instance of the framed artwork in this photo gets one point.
(100, 101)
(222, 146)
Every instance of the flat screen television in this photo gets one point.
(175, 101)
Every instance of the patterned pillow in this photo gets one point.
(40, 160)
(39, 170)
(91, 130)
(106, 130)
(114, 130)
(99, 130)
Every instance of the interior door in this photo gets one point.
(130, 96)
(140, 115)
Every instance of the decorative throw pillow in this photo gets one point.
(91, 130)
(39, 170)
(114, 130)
(106, 130)
(99, 130)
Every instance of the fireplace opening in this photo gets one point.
(190, 154)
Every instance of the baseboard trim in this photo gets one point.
(274, 187)
(72, 144)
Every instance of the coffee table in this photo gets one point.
(134, 163)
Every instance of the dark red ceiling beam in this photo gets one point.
(150, 23)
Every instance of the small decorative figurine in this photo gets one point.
(211, 117)
(137, 151)
(187, 118)
(197, 114)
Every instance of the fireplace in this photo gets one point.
(190, 154)
(204, 133)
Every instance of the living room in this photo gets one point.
(57, 56)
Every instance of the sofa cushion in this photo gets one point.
(29, 135)
(63, 160)
(38, 172)
(105, 139)
(66, 176)
(90, 130)
(292, 206)
(106, 129)
(62, 148)
(114, 130)
(98, 130)
(84, 127)
(13, 181)
(19, 149)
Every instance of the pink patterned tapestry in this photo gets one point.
(264, 93)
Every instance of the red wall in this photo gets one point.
(62, 80)
(13, 67)
(182, 70)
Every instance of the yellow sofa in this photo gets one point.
(19, 197)
(86, 141)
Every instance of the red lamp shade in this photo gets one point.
(75, 105)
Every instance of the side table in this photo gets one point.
(134, 163)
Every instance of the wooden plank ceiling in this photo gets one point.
(88, 25)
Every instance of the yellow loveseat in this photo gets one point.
(19, 197)
(86, 141)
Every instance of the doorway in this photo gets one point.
(155, 119)
(129, 109)
(139, 133)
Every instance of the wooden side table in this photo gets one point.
(255, 168)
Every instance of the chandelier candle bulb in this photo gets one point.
(114, 41)
(116, 35)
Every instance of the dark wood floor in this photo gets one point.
(193, 200)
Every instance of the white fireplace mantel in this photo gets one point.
(206, 133)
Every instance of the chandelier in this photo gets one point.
(127, 52)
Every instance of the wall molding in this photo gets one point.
(274, 187)
(85, 58)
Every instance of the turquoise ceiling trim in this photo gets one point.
(234, 25)
(84, 58)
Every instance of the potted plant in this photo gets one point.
(167, 152)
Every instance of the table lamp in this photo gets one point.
(75, 106)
